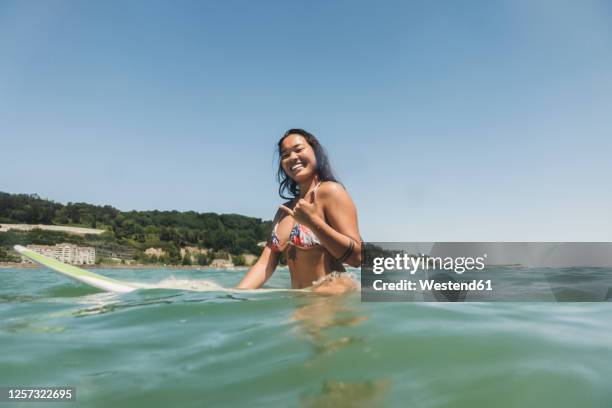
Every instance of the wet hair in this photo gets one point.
(289, 189)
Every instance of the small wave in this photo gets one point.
(201, 285)
(189, 284)
(66, 291)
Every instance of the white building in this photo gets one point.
(66, 253)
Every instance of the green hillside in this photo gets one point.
(128, 234)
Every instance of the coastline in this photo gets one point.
(19, 265)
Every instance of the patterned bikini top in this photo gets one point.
(301, 236)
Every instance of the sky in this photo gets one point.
(445, 120)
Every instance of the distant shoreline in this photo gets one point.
(6, 227)
(19, 265)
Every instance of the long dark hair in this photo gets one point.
(289, 189)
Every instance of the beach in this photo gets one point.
(29, 265)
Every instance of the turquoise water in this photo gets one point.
(168, 347)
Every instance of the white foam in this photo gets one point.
(189, 284)
(201, 285)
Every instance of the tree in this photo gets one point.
(202, 259)
(239, 260)
(174, 255)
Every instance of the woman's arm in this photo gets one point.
(341, 226)
(261, 271)
(342, 230)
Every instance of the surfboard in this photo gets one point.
(114, 285)
(71, 271)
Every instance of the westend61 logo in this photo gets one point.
(413, 263)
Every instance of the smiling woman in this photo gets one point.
(317, 228)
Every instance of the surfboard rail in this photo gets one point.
(82, 275)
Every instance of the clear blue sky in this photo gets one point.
(446, 120)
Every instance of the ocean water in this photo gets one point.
(164, 347)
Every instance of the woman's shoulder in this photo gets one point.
(331, 190)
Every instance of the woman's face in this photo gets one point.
(298, 158)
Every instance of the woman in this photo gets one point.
(317, 229)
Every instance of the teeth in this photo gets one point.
(296, 166)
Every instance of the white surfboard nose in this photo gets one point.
(19, 248)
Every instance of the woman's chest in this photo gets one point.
(287, 228)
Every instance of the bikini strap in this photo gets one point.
(314, 191)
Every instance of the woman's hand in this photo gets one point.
(335, 285)
(303, 212)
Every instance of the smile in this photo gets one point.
(296, 167)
